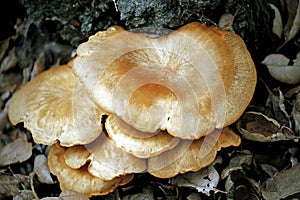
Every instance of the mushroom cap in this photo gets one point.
(80, 180)
(188, 82)
(137, 143)
(54, 106)
(191, 155)
(106, 161)
(109, 161)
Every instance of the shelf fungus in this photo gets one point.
(131, 103)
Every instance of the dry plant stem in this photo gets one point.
(31, 175)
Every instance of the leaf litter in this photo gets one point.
(264, 166)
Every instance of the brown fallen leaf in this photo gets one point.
(10, 184)
(17, 151)
(285, 183)
(41, 169)
(10, 61)
(256, 126)
(4, 44)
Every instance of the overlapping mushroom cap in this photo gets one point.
(130, 103)
(188, 82)
(51, 107)
(80, 180)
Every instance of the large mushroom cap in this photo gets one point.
(80, 180)
(191, 155)
(54, 106)
(188, 82)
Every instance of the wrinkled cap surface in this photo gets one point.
(54, 106)
(188, 82)
(80, 180)
(191, 155)
(104, 159)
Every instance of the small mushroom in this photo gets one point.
(106, 161)
(54, 106)
(80, 180)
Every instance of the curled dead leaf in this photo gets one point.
(280, 69)
(204, 181)
(256, 126)
(41, 169)
(277, 21)
(296, 106)
(296, 23)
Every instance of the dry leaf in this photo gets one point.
(9, 61)
(67, 195)
(277, 21)
(296, 113)
(277, 110)
(204, 181)
(279, 68)
(296, 24)
(240, 187)
(24, 195)
(284, 184)
(194, 196)
(39, 65)
(256, 126)
(41, 169)
(4, 44)
(10, 185)
(146, 194)
(17, 151)
(241, 158)
(296, 106)
(291, 6)
(4, 122)
(10, 81)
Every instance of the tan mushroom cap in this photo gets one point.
(106, 161)
(80, 180)
(188, 82)
(191, 155)
(137, 143)
(54, 106)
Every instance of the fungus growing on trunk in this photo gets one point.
(130, 103)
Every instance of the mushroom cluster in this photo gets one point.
(130, 103)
